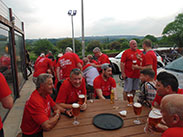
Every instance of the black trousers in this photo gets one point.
(39, 134)
(1, 133)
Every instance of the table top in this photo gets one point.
(65, 128)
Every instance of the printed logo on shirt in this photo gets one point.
(47, 108)
(64, 62)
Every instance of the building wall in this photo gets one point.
(12, 52)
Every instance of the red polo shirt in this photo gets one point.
(68, 62)
(42, 66)
(105, 86)
(173, 132)
(150, 59)
(102, 59)
(4, 91)
(68, 94)
(127, 58)
(37, 110)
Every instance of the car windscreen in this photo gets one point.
(176, 65)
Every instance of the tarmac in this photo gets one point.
(12, 122)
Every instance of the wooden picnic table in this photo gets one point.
(65, 128)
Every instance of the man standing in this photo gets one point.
(104, 83)
(70, 89)
(37, 112)
(68, 62)
(131, 76)
(172, 111)
(43, 65)
(5, 98)
(101, 58)
(149, 59)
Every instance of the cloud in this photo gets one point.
(107, 26)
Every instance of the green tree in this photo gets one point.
(62, 44)
(43, 45)
(115, 45)
(174, 30)
(92, 44)
(151, 37)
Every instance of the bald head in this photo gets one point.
(172, 109)
(133, 45)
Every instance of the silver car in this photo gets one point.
(175, 68)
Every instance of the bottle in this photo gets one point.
(112, 96)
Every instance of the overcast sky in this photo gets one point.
(49, 18)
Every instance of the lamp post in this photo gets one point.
(82, 20)
(72, 13)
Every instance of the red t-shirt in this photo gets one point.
(68, 62)
(37, 110)
(150, 59)
(4, 91)
(159, 98)
(105, 86)
(68, 94)
(102, 59)
(42, 66)
(173, 132)
(127, 58)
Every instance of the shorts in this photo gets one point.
(131, 84)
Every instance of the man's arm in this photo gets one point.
(142, 67)
(66, 106)
(49, 124)
(79, 66)
(58, 73)
(7, 102)
(99, 94)
(122, 65)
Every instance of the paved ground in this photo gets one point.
(13, 120)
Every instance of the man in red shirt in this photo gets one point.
(172, 111)
(101, 58)
(131, 56)
(166, 84)
(5, 98)
(70, 89)
(104, 83)
(149, 59)
(37, 112)
(43, 65)
(68, 62)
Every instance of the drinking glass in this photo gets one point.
(81, 99)
(154, 118)
(137, 107)
(130, 99)
(75, 111)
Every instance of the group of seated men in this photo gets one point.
(37, 112)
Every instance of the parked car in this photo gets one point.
(176, 68)
(117, 60)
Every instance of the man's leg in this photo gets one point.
(127, 87)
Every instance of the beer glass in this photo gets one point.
(81, 99)
(137, 107)
(154, 118)
(75, 112)
(130, 99)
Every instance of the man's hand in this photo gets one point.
(123, 76)
(83, 107)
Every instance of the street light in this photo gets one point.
(72, 13)
(82, 22)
